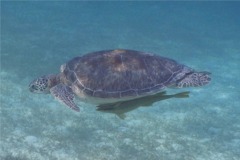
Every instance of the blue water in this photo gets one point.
(37, 37)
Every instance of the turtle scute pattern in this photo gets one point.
(120, 73)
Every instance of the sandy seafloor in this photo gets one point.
(37, 37)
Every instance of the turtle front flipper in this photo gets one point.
(65, 95)
(194, 79)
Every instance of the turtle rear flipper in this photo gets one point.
(194, 79)
(65, 95)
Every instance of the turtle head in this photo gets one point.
(41, 84)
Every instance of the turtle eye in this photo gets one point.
(34, 87)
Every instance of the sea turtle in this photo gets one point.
(111, 76)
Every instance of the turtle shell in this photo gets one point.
(120, 73)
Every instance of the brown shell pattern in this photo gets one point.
(121, 73)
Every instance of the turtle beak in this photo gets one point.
(31, 88)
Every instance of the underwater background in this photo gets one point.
(37, 37)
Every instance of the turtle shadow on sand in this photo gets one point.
(121, 108)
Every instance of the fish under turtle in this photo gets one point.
(110, 76)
